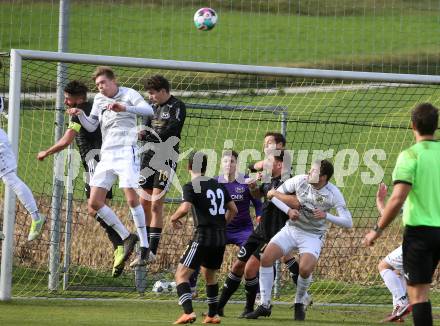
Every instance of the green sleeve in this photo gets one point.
(405, 168)
(74, 126)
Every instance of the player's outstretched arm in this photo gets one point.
(183, 209)
(343, 218)
(290, 200)
(65, 141)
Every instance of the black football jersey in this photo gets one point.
(209, 199)
(85, 140)
(272, 219)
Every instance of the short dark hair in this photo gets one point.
(103, 70)
(197, 162)
(230, 152)
(157, 82)
(279, 138)
(425, 118)
(326, 168)
(76, 88)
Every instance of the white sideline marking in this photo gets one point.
(322, 304)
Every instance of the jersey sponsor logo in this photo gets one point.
(165, 115)
(236, 197)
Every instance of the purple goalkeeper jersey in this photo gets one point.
(242, 198)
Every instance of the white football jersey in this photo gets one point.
(310, 198)
(117, 128)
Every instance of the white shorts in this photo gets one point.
(290, 238)
(117, 163)
(395, 259)
(8, 162)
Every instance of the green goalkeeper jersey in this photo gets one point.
(419, 166)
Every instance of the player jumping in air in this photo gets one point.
(115, 108)
(75, 96)
(163, 128)
(8, 174)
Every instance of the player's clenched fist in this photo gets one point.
(293, 214)
(74, 111)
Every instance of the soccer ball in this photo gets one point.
(205, 19)
(162, 286)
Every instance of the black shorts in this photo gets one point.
(159, 179)
(87, 190)
(254, 245)
(421, 253)
(197, 255)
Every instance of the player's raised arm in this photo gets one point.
(139, 107)
(91, 122)
(64, 141)
(285, 193)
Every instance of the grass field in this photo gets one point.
(77, 312)
(376, 37)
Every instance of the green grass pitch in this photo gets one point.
(137, 312)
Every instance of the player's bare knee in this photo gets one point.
(382, 265)
(94, 205)
(156, 207)
(238, 267)
(182, 274)
(251, 270)
(133, 202)
(210, 276)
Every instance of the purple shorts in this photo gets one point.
(238, 237)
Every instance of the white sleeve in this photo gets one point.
(90, 123)
(139, 105)
(143, 108)
(289, 186)
(280, 205)
(343, 218)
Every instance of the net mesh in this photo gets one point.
(361, 127)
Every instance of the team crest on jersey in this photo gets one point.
(240, 189)
(165, 115)
(242, 252)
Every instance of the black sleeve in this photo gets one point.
(146, 121)
(174, 125)
(188, 193)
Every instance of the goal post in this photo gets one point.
(350, 117)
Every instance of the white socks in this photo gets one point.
(139, 221)
(109, 217)
(23, 193)
(394, 284)
(266, 283)
(301, 288)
